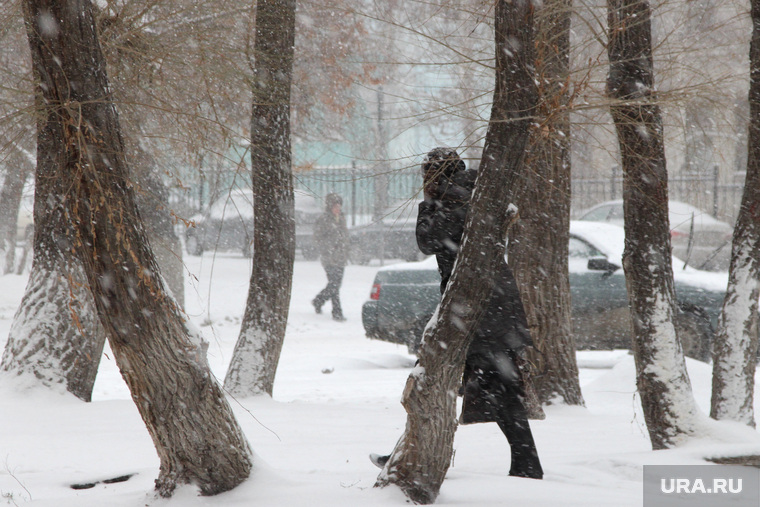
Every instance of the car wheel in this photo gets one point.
(695, 332)
(193, 245)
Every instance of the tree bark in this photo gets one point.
(80, 146)
(735, 344)
(663, 384)
(56, 337)
(419, 462)
(544, 202)
(257, 352)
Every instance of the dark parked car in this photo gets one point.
(404, 297)
(228, 224)
(392, 237)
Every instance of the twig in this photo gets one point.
(8, 469)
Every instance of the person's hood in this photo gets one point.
(443, 161)
(332, 199)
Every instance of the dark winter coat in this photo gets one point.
(491, 376)
(331, 235)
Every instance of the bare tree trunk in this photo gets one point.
(257, 352)
(195, 433)
(17, 171)
(419, 462)
(666, 396)
(735, 344)
(56, 337)
(544, 202)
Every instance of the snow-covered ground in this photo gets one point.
(336, 399)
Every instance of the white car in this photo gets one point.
(227, 224)
(710, 243)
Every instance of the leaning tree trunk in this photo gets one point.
(419, 462)
(80, 146)
(663, 384)
(735, 346)
(18, 167)
(538, 250)
(257, 352)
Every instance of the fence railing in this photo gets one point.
(703, 191)
(358, 186)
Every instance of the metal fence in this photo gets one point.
(703, 191)
(359, 187)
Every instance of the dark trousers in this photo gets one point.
(495, 391)
(332, 291)
(513, 422)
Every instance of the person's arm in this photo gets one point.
(430, 234)
(320, 233)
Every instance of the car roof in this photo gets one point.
(233, 203)
(239, 202)
(306, 202)
(606, 237)
(680, 217)
(679, 214)
(429, 263)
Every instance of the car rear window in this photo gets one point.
(412, 276)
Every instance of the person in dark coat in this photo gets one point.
(331, 235)
(493, 387)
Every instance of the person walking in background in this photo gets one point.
(331, 235)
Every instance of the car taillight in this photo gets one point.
(374, 294)
(678, 234)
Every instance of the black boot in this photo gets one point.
(525, 463)
(378, 460)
